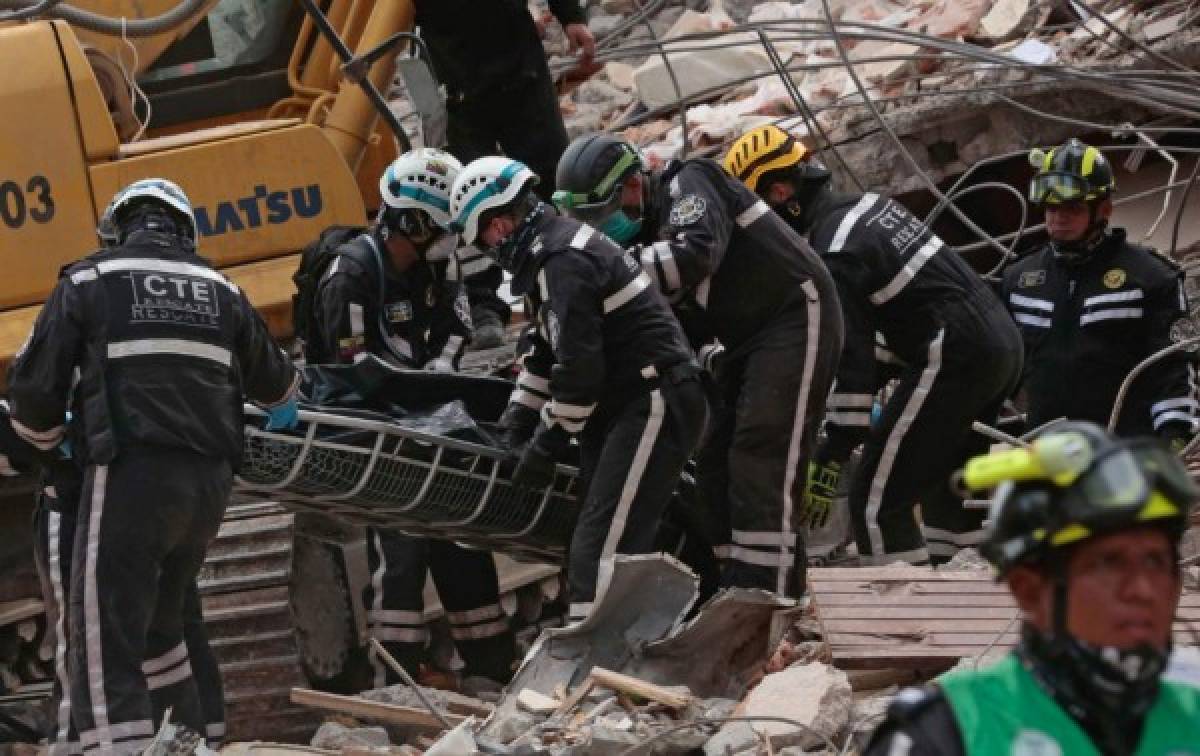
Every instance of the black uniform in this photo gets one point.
(413, 319)
(958, 358)
(1087, 324)
(498, 92)
(738, 274)
(609, 363)
(155, 350)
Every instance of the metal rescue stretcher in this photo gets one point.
(372, 472)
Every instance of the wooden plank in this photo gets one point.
(916, 627)
(894, 574)
(633, 686)
(361, 707)
(900, 589)
(908, 612)
(946, 601)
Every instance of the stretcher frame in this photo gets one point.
(372, 472)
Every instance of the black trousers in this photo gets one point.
(143, 526)
(970, 367)
(468, 587)
(753, 468)
(630, 460)
(522, 121)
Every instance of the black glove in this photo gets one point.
(517, 425)
(538, 461)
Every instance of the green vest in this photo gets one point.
(1002, 711)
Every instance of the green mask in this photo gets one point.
(620, 227)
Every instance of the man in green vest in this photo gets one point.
(1085, 530)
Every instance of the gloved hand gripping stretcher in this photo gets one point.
(408, 450)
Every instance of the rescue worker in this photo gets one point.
(762, 310)
(946, 336)
(500, 97)
(381, 295)
(152, 350)
(1085, 532)
(1090, 303)
(609, 365)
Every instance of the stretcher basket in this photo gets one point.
(372, 472)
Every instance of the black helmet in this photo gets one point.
(1074, 482)
(1070, 173)
(590, 175)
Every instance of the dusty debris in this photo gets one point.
(336, 736)
(537, 703)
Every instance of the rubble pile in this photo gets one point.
(686, 78)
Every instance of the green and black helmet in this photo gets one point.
(1074, 482)
(1073, 172)
(590, 173)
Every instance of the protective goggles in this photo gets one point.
(601, 200)
(1138, 481)
(1057, 189)
(1129, 482)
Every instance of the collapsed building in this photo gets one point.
(935, 102)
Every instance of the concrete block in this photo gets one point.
(1005, 19)
(816, 695)
(536, 703)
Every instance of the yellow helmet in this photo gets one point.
(760, 150)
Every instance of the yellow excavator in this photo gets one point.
(271, 115)
(244, 104)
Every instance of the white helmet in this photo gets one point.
(484, 184)
(421, 180)
(157, 190)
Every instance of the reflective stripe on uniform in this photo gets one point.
(849, 220)
(93, 640)
(57, 580)
(581, 237)
(155, 265)
(1116, 313)
(633, 479)
(908, 272)
(799, 415)
(626, 293)
(180, 347)
(659, 262)
(752, 213)
(1117, 296)
(892, 446)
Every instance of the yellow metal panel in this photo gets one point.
(256, 196)
(47, 217)
(95, 124)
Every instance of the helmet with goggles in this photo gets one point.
(1074, 482)
(590, 176)
(1072, 172)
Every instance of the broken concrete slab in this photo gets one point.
(698, 64)
(637, 627)
(816, 696)
(536, 703)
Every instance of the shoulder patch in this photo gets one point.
(1031, 278)
(687, 210)
(1114, 278)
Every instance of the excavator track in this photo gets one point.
(245, 587)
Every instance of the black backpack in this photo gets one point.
(314, 260)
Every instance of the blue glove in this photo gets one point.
(284, 416)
